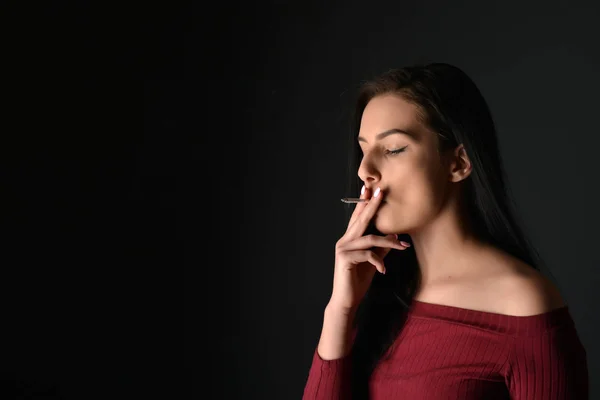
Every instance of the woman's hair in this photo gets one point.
(451, 105)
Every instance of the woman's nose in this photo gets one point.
(368, 174)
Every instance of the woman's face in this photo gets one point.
(407, 167)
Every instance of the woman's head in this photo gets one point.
(449, 140)
(400, 155)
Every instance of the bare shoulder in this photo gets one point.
(504, 285)
(526, 291)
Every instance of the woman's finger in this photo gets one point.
(357, 257)
(359, 226)
(370, 241)
(365, 193)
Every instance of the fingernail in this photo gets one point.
(376, 192)
(402, 242)
(362, 191)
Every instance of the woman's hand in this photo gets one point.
(357, 257)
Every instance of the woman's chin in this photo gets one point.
(382, 209)
(386, 222)
(383, 223)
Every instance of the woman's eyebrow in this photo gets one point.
(388, 133)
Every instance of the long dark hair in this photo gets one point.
(451, 105)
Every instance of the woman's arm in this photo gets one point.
(328, 377)
(548, 366)
(336, 336)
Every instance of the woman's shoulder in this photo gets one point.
(504, 285)
(525, 291)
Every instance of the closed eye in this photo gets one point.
(395, 151)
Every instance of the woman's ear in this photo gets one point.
(460, 164)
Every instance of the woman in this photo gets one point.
(459, 309)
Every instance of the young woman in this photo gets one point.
(459, 309)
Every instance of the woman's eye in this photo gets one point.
(395, 151)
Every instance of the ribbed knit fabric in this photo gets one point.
(446, 352)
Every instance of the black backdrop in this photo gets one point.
(286, 76)
(191, 257)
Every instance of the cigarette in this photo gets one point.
(353, 200)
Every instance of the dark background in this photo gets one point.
(192, 257)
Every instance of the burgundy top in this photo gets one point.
(446, 352)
